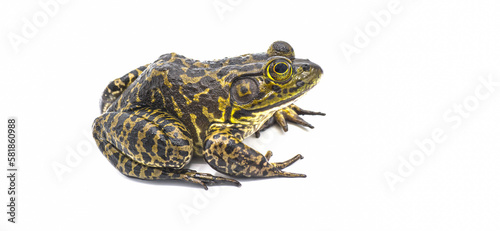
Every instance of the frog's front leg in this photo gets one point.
(291, 114)
(226, 153)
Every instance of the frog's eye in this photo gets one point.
(279, 70)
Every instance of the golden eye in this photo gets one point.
(279, 70)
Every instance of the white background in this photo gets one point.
(428, 58)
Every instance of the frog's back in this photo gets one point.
(187, 89)
(190, 89)
(184, 87)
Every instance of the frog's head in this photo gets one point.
(277, 82)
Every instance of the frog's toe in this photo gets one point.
(205, 179)
(281, 118)
(291, 114)
(268, 155)
(284, 164)
(288, 174)
(295, 118)
(301, 111)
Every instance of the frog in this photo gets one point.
(155, 119)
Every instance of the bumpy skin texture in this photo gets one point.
(155, 118)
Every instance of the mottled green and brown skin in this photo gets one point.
(158, 116)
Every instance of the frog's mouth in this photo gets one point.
(303, 86)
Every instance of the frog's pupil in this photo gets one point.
(280, 68)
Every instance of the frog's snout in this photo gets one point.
(313, 67)
(317, 68)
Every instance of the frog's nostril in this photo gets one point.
(305, 67)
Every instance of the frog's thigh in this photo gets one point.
(129, 167)
(150, 138)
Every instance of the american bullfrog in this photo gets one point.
(157, 117)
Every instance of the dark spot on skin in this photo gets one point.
(221, 163)
(237, 169)
(300, 83)
(179, 62)
(305, 67)
(230, 146)
(240, 113)
(276, 88)
(148, 171)
(229, 149)
(208, 144)
(285, 91)
(244, 89)
(167, 129)
(179, 142)
(217, 136)
(190, 62)
(183, 153)
(224, 71)
(227, 116)
(137, 169)
(142, 68)
(134, 72)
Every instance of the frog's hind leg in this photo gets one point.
(149, 144)
(116, 87)
(129, 167)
